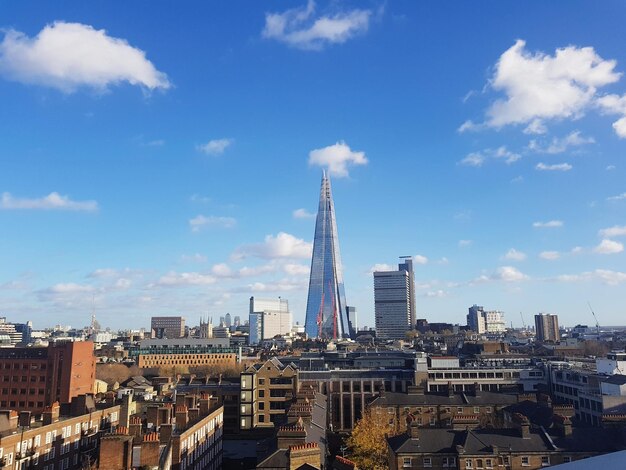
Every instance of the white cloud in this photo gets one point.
(277, 286)
(302, 214)
(554, 167)
(614, 104)
(437, 294)
(549, 255)
(619, 197)
(509, 274)
(296, 269)
(301, 28)
(68, 56)
(548, 224)
(123, 283)
(381, 267)
(53, 201)
(540, 86)
(420, 259)
(174, 279)
(215, 146)
(337, 158)
(561, 144)
(195, 258)
(470, 126)
(70, 288)
(477, 159)
(615, 231)
(283, 245)
(610, 168)
(576, 250)
(514, 255)
(608, 247)
(611, 278)
(535, 127)
(474, 159)
(464, 243)
(202, 221)
(221, 270)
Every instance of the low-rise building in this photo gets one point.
(185, 353)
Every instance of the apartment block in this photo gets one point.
(185, 353)
(167, 327)
(55, 441)
(33, 378)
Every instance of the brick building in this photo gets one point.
(167, 327)
(443, 410)
(33, 378)
(185, 353)
(55, 441)
(267, 390)
(186, 434)
(522, 448)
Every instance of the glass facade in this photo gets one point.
(326, 314)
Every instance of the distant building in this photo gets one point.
(268, 318)
(227, 320)
(185, 352)
(206, 329)
(482, 321)
(547, 327)
(17, 332)
(167, 327)
(237, 320)
(37, 377)
(394, 301)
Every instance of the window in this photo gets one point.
(406, 462)
(476, 409)
(525, 461)
(488, 463)
(468, 464)
(449, 462)
(261, 393)
(479, 463)
(433, 421)
(428, 462)
(48, 438)
(545, 460)
(459, 409)
(261, 418)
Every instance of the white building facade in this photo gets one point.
(268, 318)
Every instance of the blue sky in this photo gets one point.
(161, 159)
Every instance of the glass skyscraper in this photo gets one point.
(326, 309)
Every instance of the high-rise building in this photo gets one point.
(547, 327)
(481, 321)
(268, 318)
(227, 320)
(237, 320)
(167, 327)
(394, 301)
(326, 314)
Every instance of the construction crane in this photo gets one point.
(523, 322)
(596, 319)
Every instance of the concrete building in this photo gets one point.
(268, 318)
(33, 378)
(394, 301)
(19, 333)
(185, 353)
(57, 441)
(167, 327)
(547, 328)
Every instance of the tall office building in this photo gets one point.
(167, 327)
(394, 301)
(547, 327)
(326, 312)
(227, 320)
(268, 318)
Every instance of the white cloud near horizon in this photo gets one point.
(381, 267)
(215, 146)
(420, 259)
(175, 279)
(548, 224)
(206, 221)
(549, 255)
(619, 197)
(606, 276)
(337, 158)
(477, 159)
(301, 28)
(53, 201)
(67, 56)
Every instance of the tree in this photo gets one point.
(368, 440)
(112, 373)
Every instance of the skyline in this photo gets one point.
(178, 174)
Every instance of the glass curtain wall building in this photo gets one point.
(326, 310)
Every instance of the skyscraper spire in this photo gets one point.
(326, 314)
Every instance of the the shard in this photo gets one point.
(326, 312)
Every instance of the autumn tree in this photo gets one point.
(368, 441)
(112, 373)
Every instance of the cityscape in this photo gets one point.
(194, 276)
